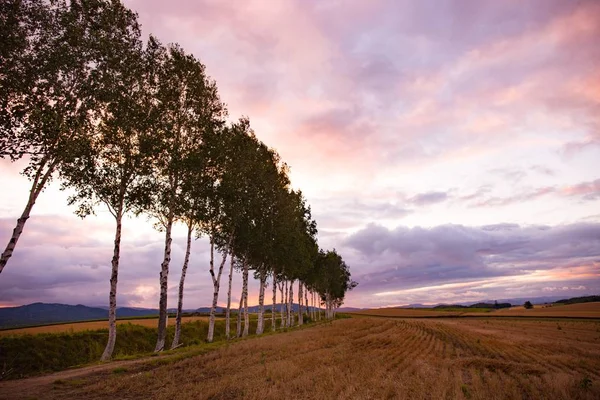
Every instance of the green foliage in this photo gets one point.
(142, 129)
(528, 305)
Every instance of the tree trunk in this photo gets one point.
(282, 305)
(285, 308)
(239, 316)
(228, 311)
(312, 306)
(164, 276)
(291, 305)
(306, 303)
(260, 326)
(246, 316)
(273, 310)
(181, 282)
(37, 186)
(112, 297)
(216, 286)
(318, 306)
(300, 311)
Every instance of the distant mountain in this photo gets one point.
(42, 313)
(476, 305)
(418, 305)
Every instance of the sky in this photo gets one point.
(450, 150)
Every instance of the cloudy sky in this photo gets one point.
(450, 150)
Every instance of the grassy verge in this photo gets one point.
(28, 355)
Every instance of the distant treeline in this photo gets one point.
(575, 300)
(476, 305)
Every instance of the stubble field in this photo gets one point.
(582, 310)
(366, 358)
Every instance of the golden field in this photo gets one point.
(93, 325)
(368, 358)
(582, 310)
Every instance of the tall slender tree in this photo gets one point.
(186, 106)
(112, 162)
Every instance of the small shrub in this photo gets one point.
(528, 305)
(586, 383)
(465, 390)
(119, 370)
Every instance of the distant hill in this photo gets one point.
(418, 305)
(44, 313)
(576, 300)
(476, 305)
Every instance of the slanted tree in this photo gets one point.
(49, 51)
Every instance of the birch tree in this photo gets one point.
(186, 106)
(190, 229)
(114, 159)
(49, 51)
(334, 281)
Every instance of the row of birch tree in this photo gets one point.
(138, 127)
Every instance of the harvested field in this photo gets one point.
(408, 312)
(364, 358)
(570, 310)
(583, 310)
(91, 326)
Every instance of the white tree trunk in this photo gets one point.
(300, 310)
(312, 306)
(228, 311)
(285, 308)
(112, 297)
(273, 310)
(38, 184)
(283, 318)
(186, 260)
(164, 278)
(239, 315)
(306, 303)
(216, 285)
(260, 326)
(246, 316)
(291, 305)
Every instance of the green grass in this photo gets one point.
(28, 355)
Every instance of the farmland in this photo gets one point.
(91, 326)
(367, 358)
(583, 310)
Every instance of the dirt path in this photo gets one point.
(30, 388)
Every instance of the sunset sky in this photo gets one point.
(450, 150)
